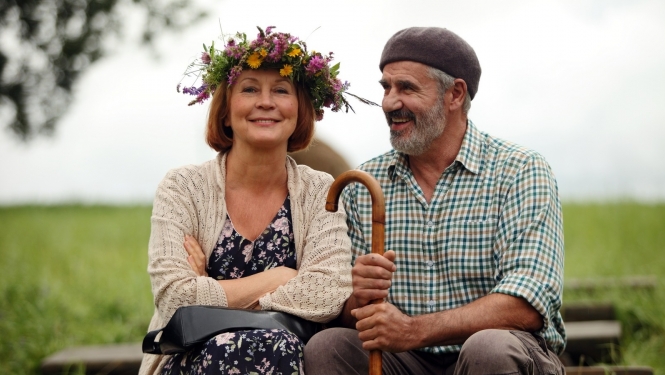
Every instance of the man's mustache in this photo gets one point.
(400, 113)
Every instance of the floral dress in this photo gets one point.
(259, 351)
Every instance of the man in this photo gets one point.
(474, 283)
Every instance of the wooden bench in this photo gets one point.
(591, 330)
(609, 370)
(593, 334)
(118, 359)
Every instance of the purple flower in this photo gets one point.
(205, 57)
(233, 74)
(315, 64)
(202, 97)
(337, 85)
(269, 29)
(194, 90)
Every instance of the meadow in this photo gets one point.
(76, 275)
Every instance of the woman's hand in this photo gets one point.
(245, 292)
(196, 258)
(281, 275)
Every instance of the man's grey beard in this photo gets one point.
(426, 128)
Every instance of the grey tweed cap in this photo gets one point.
(437, 47)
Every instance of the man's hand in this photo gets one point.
(383, 326)
(372, 277)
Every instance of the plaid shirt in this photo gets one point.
(493, 226)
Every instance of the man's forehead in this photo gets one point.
(408, 71)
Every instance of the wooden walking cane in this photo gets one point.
(378, 224)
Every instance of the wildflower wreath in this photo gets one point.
(280, 51)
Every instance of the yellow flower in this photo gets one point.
(295, 52)
(286, 70)
(254, 61)
(263, 52)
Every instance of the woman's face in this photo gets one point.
(263, 109)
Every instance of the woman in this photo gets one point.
(249, 229)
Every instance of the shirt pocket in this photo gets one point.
(471, 265)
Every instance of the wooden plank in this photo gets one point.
(592, 342)
(632, 282)
(580, 312)
(609, 370)
(118, 359)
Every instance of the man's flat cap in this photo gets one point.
(437, 47)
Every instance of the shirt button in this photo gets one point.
(430, 223)
(431, 303)
(430, 264)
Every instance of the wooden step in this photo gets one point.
(593, 341)
(117, 359)
(609, 370)
(585, 311)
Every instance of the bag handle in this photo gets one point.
(150, 345)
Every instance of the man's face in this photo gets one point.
(413, 107)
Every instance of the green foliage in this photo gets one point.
(614, 239)
(48, 44)
(71, 276)
(620, 240)
(76, 275)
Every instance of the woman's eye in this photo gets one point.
(281, 90)
(249, 89)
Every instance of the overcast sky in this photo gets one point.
(582, 82)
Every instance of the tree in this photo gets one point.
(45, 45)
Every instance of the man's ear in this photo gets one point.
(458, 91)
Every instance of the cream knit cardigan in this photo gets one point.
(190, 200)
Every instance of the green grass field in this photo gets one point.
(76, 275)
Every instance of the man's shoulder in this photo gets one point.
(510, 153)
(379, 163)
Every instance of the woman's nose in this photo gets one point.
(265, 100)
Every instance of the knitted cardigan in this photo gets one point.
(190, 200)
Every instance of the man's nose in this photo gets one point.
(391, 102)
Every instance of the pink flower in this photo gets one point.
(224, 338)
(315, 64)
(247, 252)
(205, 57)
(281, 225)
(228, 229)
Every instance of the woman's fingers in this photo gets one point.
(196, 258)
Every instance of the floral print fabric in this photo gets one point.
(269, 352)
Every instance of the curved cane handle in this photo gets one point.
(378, 228)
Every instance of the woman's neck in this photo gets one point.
(257, 170)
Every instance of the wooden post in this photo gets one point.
(378, 226)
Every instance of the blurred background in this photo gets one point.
(91, 122)
(579, 81)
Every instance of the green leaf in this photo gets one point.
(334, 69)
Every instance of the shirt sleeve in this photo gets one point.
(529, 240)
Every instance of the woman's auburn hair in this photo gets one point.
(220, 137)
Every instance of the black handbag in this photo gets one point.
(191, 325)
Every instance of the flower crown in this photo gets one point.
(279, 51)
